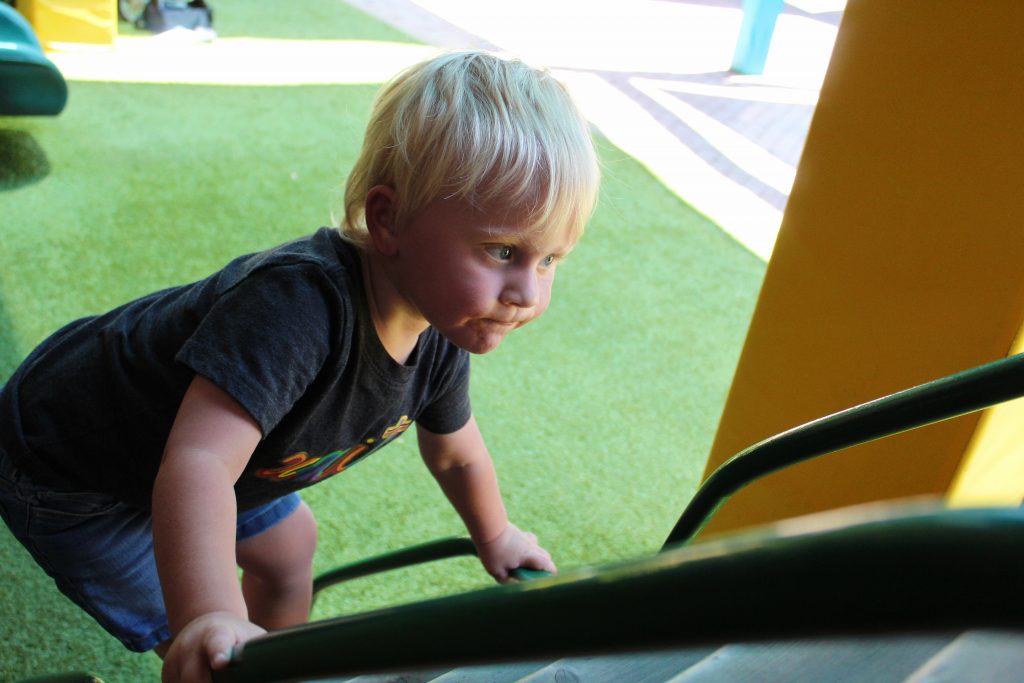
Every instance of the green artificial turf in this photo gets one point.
(599, 416)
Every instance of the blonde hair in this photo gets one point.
(471, 125)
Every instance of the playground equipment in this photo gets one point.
(890, 569)
(882, 569)
(898, 261)
(60, 22)
(886, 569)
(751, 53)
(902, 167)
(30, 85)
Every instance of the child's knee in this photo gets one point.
(284, 550)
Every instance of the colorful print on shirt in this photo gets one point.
(310, 469)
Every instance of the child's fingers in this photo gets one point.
(218, 644)
(540, 559)
(183, 666)
(205, 644)
(536, 557)
(548, 565)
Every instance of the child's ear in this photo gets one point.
(380, 218)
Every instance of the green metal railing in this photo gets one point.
(407, 557)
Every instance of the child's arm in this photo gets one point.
(194, 530)
(462, 466)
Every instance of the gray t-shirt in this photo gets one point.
(286, 332)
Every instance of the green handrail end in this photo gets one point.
(526, 574)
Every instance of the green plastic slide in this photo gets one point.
(30, 84)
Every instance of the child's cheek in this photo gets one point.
(545, 295)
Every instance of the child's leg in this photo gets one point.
(277, 565)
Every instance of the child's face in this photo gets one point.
(476, 275)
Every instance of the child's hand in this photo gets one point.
(511, 550)
(204, 644)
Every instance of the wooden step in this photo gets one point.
(837, 660)
(976, 656)
(407, 677)
(496, 673)
(654, 667)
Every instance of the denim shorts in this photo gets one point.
(99, 551)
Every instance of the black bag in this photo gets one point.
(163, 15)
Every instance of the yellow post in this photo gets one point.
(71, 21)
(992, 469)
(900, 257)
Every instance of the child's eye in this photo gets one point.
(501, 252)
(548, 261)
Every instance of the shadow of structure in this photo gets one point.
(22, 160)
(10, 354)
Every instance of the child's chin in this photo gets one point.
(476, 343)
(481, 348)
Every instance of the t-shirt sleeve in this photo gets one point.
(265, 339)
(450, 410)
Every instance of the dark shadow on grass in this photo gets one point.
(10, 357)
(22, 160)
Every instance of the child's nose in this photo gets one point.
(521, 288)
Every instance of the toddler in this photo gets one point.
(147, 452)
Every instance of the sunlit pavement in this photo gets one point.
(653, 75)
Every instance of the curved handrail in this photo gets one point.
(426, 552)
(948, 397)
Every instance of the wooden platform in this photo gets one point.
(975, 656)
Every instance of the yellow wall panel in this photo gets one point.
(901, 252)
(71, 21)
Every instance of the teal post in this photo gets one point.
(759, 17)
